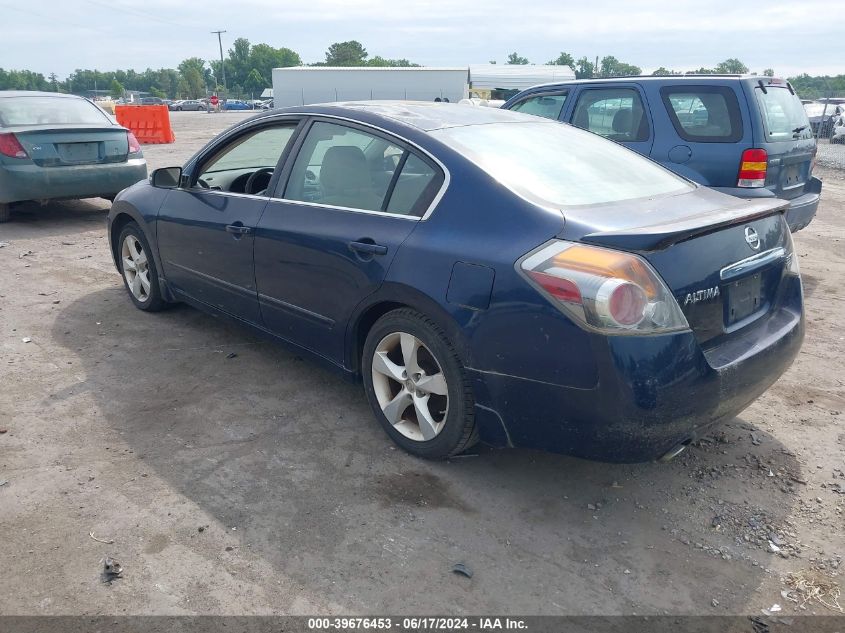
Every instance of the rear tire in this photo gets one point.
(138, 269)
(5, 212)
(417, 386)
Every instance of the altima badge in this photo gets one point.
(752, 238)
(701, 295)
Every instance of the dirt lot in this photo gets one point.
(261, 484)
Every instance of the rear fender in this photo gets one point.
(392, 295)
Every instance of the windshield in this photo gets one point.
(49, 111)
(784, 117)
(560, 165)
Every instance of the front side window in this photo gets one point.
(246, 164)
(559, 166)
(49, 111)
(615, 113)
(704, 113)
(546, 105)
(347, 167)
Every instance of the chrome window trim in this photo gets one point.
(752, 263)
(447, 178)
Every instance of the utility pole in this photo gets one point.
(222, 63)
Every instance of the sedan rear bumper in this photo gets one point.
(31, 182)
(653, 393)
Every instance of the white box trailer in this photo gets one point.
(304, 85)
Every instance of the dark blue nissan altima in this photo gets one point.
(490, 276)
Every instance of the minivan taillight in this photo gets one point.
(10, 146)
(752, 168)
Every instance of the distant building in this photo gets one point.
(494, 81)
(304, 85)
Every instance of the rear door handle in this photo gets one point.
(238, 229)
(368, 247)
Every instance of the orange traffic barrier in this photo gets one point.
(149, 124)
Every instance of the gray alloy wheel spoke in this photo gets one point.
(428, 427)
(410, 349)
(435, 383)
(145, 281)
(394, 409)
(135, 284)
(383, 365)
(129, 264)
(140, 257)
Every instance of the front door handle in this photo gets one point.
(368, 248)
(238, 229)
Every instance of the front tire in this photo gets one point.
(138, 269)
(417, 386)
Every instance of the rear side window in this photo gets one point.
(704, 114)
(615, 113)
(414, 188)
(545, 105)
(784, 118)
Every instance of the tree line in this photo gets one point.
(248, 69)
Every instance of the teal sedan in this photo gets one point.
(55, 146)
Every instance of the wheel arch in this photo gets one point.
(121, 214)
(392, 296)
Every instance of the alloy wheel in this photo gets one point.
(136, 269)
(410, 386)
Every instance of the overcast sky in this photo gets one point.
(791, 36)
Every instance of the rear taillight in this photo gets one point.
(606, 290)
(752, 168)
(134, 145)
(10, 146)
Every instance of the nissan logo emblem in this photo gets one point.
(752, 238)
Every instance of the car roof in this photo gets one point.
(424, 115)
(696, 78)
(36, 93)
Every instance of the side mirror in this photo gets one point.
(166, 177)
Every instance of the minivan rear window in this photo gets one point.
(784, 118)
(704, 114)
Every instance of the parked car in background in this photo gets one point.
(267, 104)
(188, 104)
(742, 135)
(235, 104)
(822, 116)
(838, 130)
(61, 146)
(629, 312)
(151, 101)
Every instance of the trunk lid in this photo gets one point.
(74, 145)
(723, 258)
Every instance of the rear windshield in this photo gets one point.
(784, 118)
(559, 165)
(49, 111)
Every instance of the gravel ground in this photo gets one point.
(260, 484)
